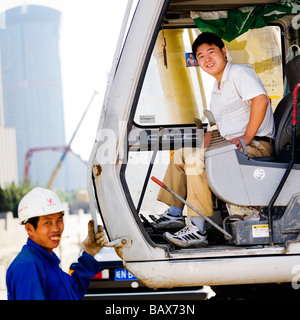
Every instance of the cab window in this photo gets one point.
(176, 90)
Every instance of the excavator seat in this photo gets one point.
(283, 116)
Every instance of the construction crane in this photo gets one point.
(32, 150)
(65, 149)
(49, 185)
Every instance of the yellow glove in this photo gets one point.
(93, 242)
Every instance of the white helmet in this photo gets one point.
(38, 202)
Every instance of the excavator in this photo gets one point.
(154, 93)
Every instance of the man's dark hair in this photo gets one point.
(208, 38)
(33, 221)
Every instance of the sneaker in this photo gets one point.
(189, 236)
(168, 222)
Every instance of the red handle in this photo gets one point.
(295, 97)
(157, 181)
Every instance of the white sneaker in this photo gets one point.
(189, 236)
(168, 222)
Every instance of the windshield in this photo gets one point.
(176, 90)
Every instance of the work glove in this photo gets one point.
(93, 242)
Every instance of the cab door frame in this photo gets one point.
(110, 149)
(106, 167)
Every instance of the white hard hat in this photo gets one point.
(38, 202)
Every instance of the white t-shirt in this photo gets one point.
(232, 102)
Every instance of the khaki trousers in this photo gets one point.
(186, 176)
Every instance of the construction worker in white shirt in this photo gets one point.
(242, 110)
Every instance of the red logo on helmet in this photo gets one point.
(50, 202)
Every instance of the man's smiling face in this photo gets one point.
(212, 59)
(48, 232)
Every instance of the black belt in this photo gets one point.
(267, 139)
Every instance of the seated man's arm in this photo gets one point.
(257, 113)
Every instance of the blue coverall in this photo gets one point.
(35, 275)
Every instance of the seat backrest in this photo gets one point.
(283, 112)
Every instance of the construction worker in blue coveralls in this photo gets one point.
(35, 273)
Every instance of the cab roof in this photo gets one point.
(178, 12)
(207, 5)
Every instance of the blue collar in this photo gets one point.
(51, 257)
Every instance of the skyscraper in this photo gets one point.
(32, 89)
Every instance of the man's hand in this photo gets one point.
(93, 242)
(237, 141)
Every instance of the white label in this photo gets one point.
(260, 231)
(259, 174)
(147, 118)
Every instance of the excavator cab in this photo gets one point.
(154, 93)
